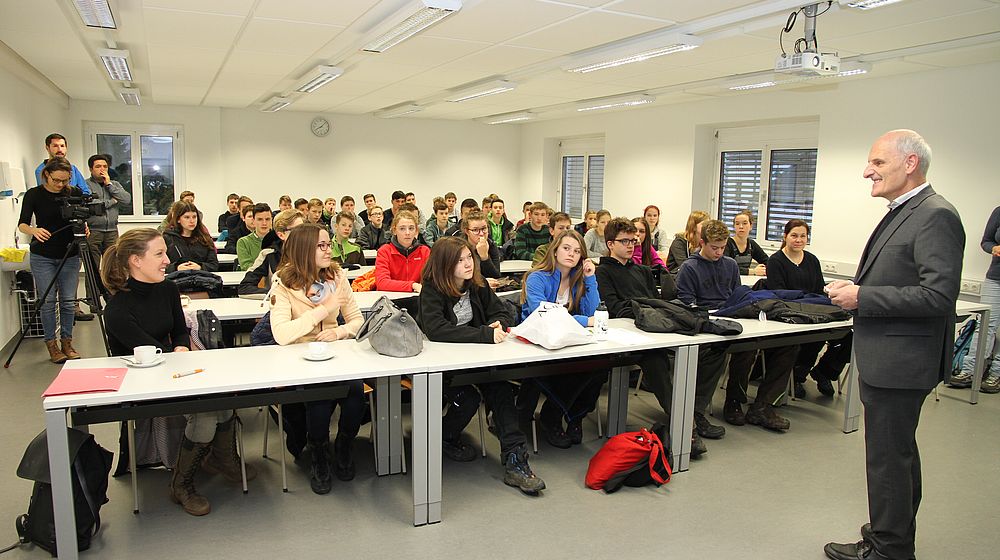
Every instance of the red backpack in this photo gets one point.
(633, 459)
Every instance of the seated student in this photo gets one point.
(594, 240)
(526, 210)
(450, 200)
(438, 225)
(347, 205)
(145, 309)
(621, 280)
(686, 243)
(457, 306)
(329, 212)
(234, 220)
(345, 252)
(249, 246)
(468, 205)
(189, 246)
(258, 279)
(659, 239)
(315, 213)
(233, 202)
(533, 233)
(644, 252)
(398, 264)
(186, 196)
(558, 223)
(302, 205)
(398, 198)
(240, 230)
(588, 223)
(309, 292)
(707, 279)
(476, 232)
(374, 234)
(565, 277)
(369, 200)
(794, 268)
(501, 229)
(284, 203)
(743, 249)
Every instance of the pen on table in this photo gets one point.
(187, 373)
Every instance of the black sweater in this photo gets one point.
(188, 249)
(146, 314)
(45, 206)
(620, 283)
(437, 315)
(783, 274)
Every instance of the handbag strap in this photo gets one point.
(657, 453)
(94, 510)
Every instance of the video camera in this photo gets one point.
(80, 207)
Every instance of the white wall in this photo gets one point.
(658, 155)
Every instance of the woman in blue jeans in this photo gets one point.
(52, 238)
(989, 294)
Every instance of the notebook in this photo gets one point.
(73, 381)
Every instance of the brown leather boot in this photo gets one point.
(224, 457)
(67, 348)
(182, 490)
(55, 354)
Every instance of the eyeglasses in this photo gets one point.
(479, 230)
(324, 246)
(62, 182)
(627, 242)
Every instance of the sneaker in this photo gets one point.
(733, 413)
(963, 380)
(320, 477)
(764, 415)
(698, 447)
(800, 390)
(517, 473)
(574, 430)
(991, 384)
(825, 386)
(706, 429)
(458, 450)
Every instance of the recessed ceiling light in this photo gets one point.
(129, 95)
(95, 13)
(116, 63)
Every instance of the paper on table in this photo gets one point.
(628, 338)
(86, 380)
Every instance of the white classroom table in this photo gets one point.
(514, 267)
(237, 308)
(220, 245)
(233, 278)
(226, 258)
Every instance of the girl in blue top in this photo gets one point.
(565, 276)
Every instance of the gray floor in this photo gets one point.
(754, 495)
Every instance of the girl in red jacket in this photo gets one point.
(399, 263)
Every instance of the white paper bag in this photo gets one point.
(551, 326)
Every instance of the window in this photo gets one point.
(770, 171)
(582, 182)
(145, 159)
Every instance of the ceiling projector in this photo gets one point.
(808, 64)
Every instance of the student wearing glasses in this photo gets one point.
(374, 235)
(456, 305)
(398, 264)
(476, 231)
(309, 292)
(566, 277)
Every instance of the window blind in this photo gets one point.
(739, 187)
(792, 184)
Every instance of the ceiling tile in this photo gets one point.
(589, 3)
(588, 30)
(500, 59)
(678, 11)
(979, 54)
(205, 31)
(964, 25)
(173, 64)
(430, 51)
(500, 20)
(286, 37)
(169, 93)
(225, 7)
(444, 77)
(231, 96)
(64, 45)
(341, 13)
(271, 64)
(252, 82)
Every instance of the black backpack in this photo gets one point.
(91, 464)
(209, 330)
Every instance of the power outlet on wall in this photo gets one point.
(830, 267)
(970, 287)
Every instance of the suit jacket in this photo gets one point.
(905, 322)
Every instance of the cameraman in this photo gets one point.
(104, 229)
(53, 236)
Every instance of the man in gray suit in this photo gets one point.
(903, 300)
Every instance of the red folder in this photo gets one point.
(72, 381)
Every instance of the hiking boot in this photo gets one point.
(698, 447)
(224, 457)
(517, 473)
(763, 415)
(552, 431)
(320, 478)
(574, 430)
(79, 315)
(457, 450)
(991, 384)
(67, 348)
(56, 355)
(962, 380)
(824, 384)
(706, 429)
(733, 413)
(343, 460)
(182, 490)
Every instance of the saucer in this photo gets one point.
(130, 361)
(323, 358)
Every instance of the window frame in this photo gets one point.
(587, 148)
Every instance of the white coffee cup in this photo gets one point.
(145, 354)
(317, 349)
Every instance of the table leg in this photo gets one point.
(62, 487)
(981, 348)
(435, 392)
(682, 405)
(395, 426)
(388, 430)
(617, 401)
(852, 408)
(426, 467)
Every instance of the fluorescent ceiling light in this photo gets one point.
(427, 14)
(616, 102)
(116, 63)
(398, 111)
(757, 85)
(95, 13)
(846, 70)
(481, 90)
(866, 4)
(319, 77)
(638, 52)
(129, 95)
(854, 69)
(509, 118)
(275, 104)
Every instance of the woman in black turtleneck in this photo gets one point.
(145, 309)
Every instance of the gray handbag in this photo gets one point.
(391, 331)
